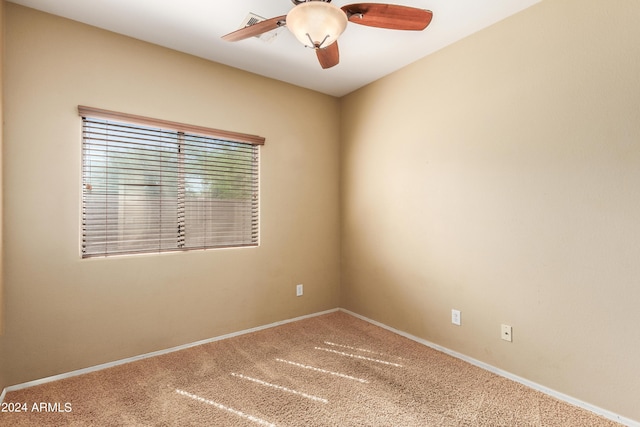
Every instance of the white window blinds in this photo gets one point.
(157, 189)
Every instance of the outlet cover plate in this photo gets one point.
(299, 290)
(506, 333)
(455, 317)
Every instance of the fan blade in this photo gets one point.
(328, 56)
(389, 16)
(256, 29)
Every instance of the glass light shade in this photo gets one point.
(316, 23)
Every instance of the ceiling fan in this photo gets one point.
(317, 24)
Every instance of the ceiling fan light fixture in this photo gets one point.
(316, 24)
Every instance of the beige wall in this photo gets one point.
(501, 177)
(65, 313)
(1, 139)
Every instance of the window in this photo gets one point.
(157, 186)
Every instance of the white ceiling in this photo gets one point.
(366, 54)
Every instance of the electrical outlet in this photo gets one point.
(299, 290)
(455, 317)
(506, 333)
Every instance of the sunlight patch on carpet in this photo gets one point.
(357, 356)
(226, 408)
(281, 388)
(323, 371)
(364, 350)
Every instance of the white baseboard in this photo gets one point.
(153, 354)
(560, 396)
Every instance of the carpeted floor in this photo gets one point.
(331, 370)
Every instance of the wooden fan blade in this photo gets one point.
(256, 29)
(328, 56)
(389, 16)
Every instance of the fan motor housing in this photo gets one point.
(297, 2)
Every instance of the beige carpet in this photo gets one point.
(331, 370)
